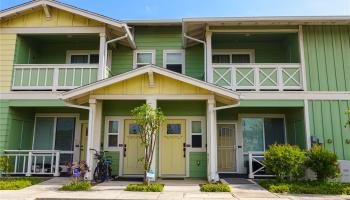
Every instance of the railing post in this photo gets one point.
(57, 164)
(233, 78)
(257, 78)
(250, 161)
(280, 78)
(55, 78)
(29, 165)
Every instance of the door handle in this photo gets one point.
(184, 149)
(124, 148)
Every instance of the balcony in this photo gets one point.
(258, 76)
(53, 76)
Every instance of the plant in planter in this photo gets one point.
(149, 120)
(322, 162)
(285, 161)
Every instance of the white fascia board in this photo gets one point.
(29, 95)
(146, 69)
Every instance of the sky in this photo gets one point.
(177, 9)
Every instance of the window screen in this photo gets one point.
(143, 59)
(79, 59)
(94, 58)
(240, 58)
(173, 61)
(221, 59)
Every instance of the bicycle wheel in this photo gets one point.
(98, 175)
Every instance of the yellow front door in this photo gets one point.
(173, 138)
(83, 138)
(133, 150)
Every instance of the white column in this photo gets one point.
(94, 134)
(307, 124)
(209, 57)
(153, 102)
(212, 141)
(101, 63)
(302, 57)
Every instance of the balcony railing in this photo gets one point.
(52, 76)
(256, 167)
(275, 76)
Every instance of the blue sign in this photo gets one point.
(76, 172)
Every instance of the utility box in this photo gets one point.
(344, 166)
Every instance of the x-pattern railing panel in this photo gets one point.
(274, 76)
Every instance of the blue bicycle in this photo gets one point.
(103, 170)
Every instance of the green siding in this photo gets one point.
(120, 107)
(159, 39)
(198, 164)
(114, 156)
(327, 122)
(327, 50)
(271, 103)
(183, 108)
(269, 48)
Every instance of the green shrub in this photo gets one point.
(215, 187)
(76, 186)
(285, 161)
(153, 187)
(322, 162)
(18, 183)
(305, 187)
(5, 164)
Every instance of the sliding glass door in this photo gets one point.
(55, 133)
(260, 132)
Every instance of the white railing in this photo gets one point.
(52, 76)
(33, 162)
(257, 157)
(254, 76)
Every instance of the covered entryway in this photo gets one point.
(226, 136)
(173, 148)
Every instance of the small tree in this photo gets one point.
(149, 120)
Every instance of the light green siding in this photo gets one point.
(114, 156)
(183, 108)
(327, 61)
(159, 39)
(327, 122)
(198, 164)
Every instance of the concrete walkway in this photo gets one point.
(173, 190)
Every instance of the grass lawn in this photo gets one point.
(152, 187)
(18, 183)
(305, 187)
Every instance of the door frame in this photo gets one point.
(237, 140)
(76, 139)
(188, 120)
(81, 122)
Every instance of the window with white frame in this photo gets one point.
(112, 134)
(144, 57)
(197, 134)
(174, 60)
(86, 57)
(234, 56)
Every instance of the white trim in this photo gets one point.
(145, 96)
(146, 69)
(302, 56)
(307, 124)
(290, 30)
(106, 133)
(250, 52)
(69, 53)
(183, 58)
(151, 51)
(202, 120)
(53, 30)
(295, 95)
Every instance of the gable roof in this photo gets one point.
(150, 69)
(72, 9)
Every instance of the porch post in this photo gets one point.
(208, 36)
(307, 124)
(101, 62)
(94, 134)
(212, 141)
(153, 103)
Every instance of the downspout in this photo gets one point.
(88, 142)
(205, 53)
(106, 48)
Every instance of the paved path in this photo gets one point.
(174, 190)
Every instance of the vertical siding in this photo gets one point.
(198, 164)
(327, 50)
(7, 49)
(327, 122)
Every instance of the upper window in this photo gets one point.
(234, 56)
(144, 57)
(82, 57)
(174, 60)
